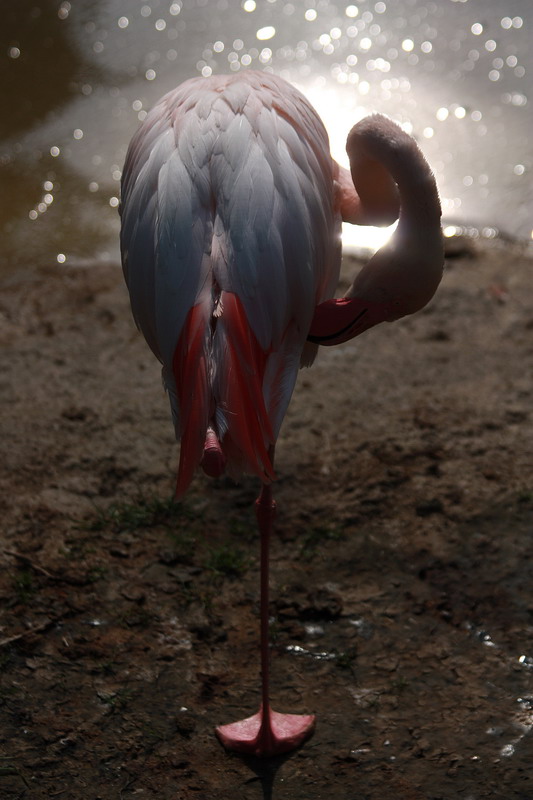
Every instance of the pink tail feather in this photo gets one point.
(240, 371)
(249, 427)
(191, 373)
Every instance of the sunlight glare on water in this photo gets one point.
(339, 114)
(77, 78)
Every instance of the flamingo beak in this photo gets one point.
(337, 321)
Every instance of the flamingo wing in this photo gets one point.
(230, 238)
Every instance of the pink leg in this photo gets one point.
(266, 733)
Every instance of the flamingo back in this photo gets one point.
(230, 238)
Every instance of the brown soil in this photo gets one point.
(402, 604)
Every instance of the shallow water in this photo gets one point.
(77, 77)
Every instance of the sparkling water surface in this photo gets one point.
(77, 77)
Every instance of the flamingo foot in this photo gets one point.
(213, 460)
(268, 734)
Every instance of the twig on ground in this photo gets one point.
(29, 562)
(36, 629)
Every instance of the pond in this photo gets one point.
(77, 77)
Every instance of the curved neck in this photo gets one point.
(381, 145)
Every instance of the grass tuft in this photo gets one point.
(24, 586)
(314, 538)
(227, 561)
(143, 512)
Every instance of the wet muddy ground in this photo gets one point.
(402, 601)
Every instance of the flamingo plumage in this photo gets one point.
(231, 212)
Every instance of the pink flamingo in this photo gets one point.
(231, 213)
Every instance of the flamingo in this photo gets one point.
(231, 210)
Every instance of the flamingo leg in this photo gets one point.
(265, 512)
(267, 733)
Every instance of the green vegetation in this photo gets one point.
(143, 512)
(116, 700)
(96, 573)
(346, 658)
(183, 545)
(227, 560)
(106, 668)
(399, 685)
(315, 536)
(525, 496)
(245, 531)
(24, 586)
